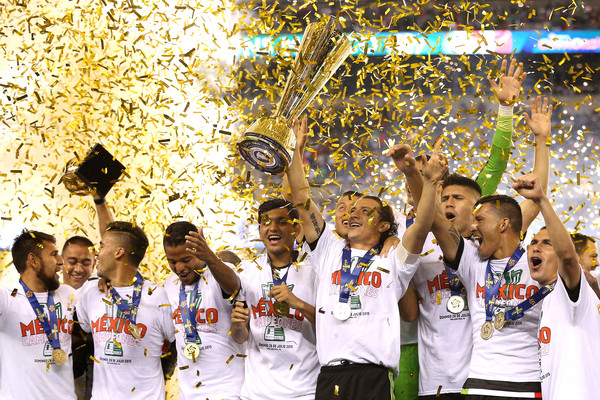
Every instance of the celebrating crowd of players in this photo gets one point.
(322, 319)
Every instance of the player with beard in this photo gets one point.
(36, 322)
(130, 320)
(274, 312)
(198, 291)
(569, 325)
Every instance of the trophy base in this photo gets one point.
(268, 145)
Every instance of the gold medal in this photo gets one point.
(499, 320)
(281, 308)
(486, 330)
(59, 356)
(191, 351)
(135, 331)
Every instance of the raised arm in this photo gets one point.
(415, 236)
(197, 246)
(104, 215)
(530, 187)
(540, 123)
(507, 89)
(446, 234)
(404, 159)
(310, 215)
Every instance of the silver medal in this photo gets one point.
(342, 311)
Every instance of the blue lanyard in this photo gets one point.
(50, 328)
(278, 280)
(491, 287)
(410, 219)
(454, 282)
(189, 323)
(130, 314)
(348, 278)
(518, 311)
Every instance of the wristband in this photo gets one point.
(99, 201)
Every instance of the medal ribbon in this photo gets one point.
(50, 328)
(519, 310)
(410, 219)
(491, 287)
(453, 281)
(347, 278)
(277, 279)
(189, 323)
(130, 314)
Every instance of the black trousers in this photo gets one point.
(355, 382)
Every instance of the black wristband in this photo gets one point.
(99, 201)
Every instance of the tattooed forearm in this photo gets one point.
(455, 235)
(313, 219)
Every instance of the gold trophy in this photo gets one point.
(96, 174)
(268, 144)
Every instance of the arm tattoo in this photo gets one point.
(455, 235)
(313, 219)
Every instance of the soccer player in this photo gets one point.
(210, 362)
(274, 312)
(496, 278)
(569, 326)
(36, 322)
(358, 323)
(130, 320)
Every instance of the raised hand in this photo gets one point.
(507, 86)
(435, 168)
(540, 121)
(529, 186)
(197, 246)
(403, 157)
(300, 130)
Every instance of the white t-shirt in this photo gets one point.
(569, 340)
(511, 353)
(445, 341)
(372, 334)
(282, 361)
(220, 366)
(127, 367)
(26, 367)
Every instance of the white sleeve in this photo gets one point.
(81, 310)
(404, 265)
(4, 295)
(328, 243)
(576, 310)
(165, 316)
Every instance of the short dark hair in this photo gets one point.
(386, 213)
(29, 242)
(132, 238)
(176, 232)
(277, 203)
(580, 241)
(78, 241)
(351, 194)
(461, 180)
(506, 207)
